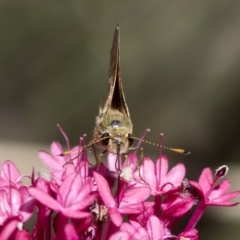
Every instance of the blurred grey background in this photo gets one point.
(181, 76)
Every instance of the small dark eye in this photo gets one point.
(106, 137)
(130, 139)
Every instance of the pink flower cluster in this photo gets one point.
(78, 201)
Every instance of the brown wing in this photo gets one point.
(115, 98)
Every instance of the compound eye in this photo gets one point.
(130, 139)
(106, 137)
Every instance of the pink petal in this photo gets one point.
(147, 212)
(177, 207)
(84, 191)
(84, 166)
(135, 195)
(3, 212)
(68, 170)
(132, 209)
(42, 184)
(50, 161)
(119, 236)
(220, 189)
(143, 208)
(56, 177)
(70, 232)
(27, 207)
(224, 204)
(8, 229)
(70, 188)
(84, 202)
(155, 228)
(127, 227)
(115, 216)
(135, 230)
(224, 185)
(225, 198)
(56, 148)
(149, 174)
(206, 180)
(131, 161)
(175, 176)
(137, 225)
(111, 162)
(45, 199)
(74, 214)
(10, 201)
(21, 234)
(191, 234)
(16, 200)
(9, 172)
(104, 190)
(161, 169)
